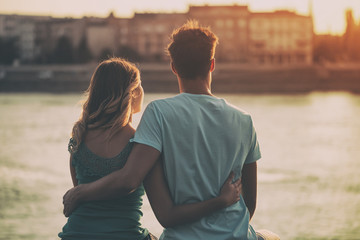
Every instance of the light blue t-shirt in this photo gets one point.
(202, 139)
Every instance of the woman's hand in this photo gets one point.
(231, 191)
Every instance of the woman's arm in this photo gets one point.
(249, 185)
(73, 173)
(169, 214)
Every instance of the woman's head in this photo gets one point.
(114, 94)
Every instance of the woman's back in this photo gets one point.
(98, 141)
(96, 157)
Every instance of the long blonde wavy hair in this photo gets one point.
(108, 99)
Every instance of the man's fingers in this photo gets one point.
(238, 182)
(64, 197)
(230, 178)
(66, 211)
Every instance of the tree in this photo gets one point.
(128, 53)
(83, 53)
(63, 52)
(328, 48)
(106, 53)
(8, 50)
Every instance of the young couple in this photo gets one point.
(186, 153)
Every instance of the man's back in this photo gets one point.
(202, 139)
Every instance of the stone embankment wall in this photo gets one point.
(227, 78)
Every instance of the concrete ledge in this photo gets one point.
(227, 78)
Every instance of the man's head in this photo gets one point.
(192, 49)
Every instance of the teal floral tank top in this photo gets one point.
(111, 219)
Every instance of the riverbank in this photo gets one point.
(157, 78)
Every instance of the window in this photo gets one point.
(301, 43)
(241, 23)
(300, 58)
(259, 45)
(229, 34)
(219, 23)
(229, 23)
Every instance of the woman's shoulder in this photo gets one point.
(108, 144)
(89, 163)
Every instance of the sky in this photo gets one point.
(329, 15)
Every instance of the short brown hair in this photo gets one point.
(191, 50)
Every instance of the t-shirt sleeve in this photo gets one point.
(254, 152)
(149, 130)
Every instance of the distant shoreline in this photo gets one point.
(157, 77)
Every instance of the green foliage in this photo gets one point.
(64, 51)
(328, 48)
(128, 53)
(83, 53)
(8, 50)
(106, 53)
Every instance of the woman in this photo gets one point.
(114, 94)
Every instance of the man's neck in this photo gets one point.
(195, 86)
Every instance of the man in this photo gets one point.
(201, 139)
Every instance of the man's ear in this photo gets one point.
(173, 68)
(212, 66)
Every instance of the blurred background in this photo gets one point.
(293, 65)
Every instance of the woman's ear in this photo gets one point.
(136, 92)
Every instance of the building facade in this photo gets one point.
(51, 31)
(106, 35)
(231, 25)
(22, 29)
(279, 37)
(149, 33)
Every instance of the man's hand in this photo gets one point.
(71, 200)
(231, 191)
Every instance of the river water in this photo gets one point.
(308, 180)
